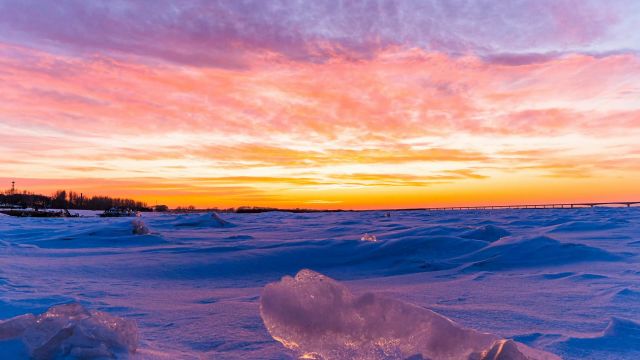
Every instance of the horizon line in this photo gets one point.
(569, 205)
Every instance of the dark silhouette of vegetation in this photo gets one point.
(161, 208)
(25, 200)
(62, 199)
(186, 209)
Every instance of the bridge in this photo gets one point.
(542, 206)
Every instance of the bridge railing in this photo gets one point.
(541, 206)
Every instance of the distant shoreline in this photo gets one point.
(257, 210)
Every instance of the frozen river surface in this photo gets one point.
(566, 281)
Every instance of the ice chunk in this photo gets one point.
(16, 326)
(139, 227)
(368, 237)
(71, 331)
(505, 349)
(320, 318)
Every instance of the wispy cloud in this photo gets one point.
(228, 33)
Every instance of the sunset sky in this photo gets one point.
(322, 103)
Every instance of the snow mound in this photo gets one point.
(317, 317)
(369, 237)
(626, 295)
(139, 227)
(621, 335)
(534, 252)
(205, 220)
(114, 233)
(622, 328)
(71, 331)
(488, 233)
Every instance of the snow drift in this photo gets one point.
(71, 331)
(488, 233)
(203, 220)
(533, 252)
(619, 340)
(320, 318)
(620, 334)
(115, 233)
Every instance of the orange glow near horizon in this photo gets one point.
(508, 191)
(402, 127)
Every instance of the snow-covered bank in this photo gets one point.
(561, 281)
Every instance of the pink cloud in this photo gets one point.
(395, 95)
(314, 123)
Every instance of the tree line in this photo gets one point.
(62, 199)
